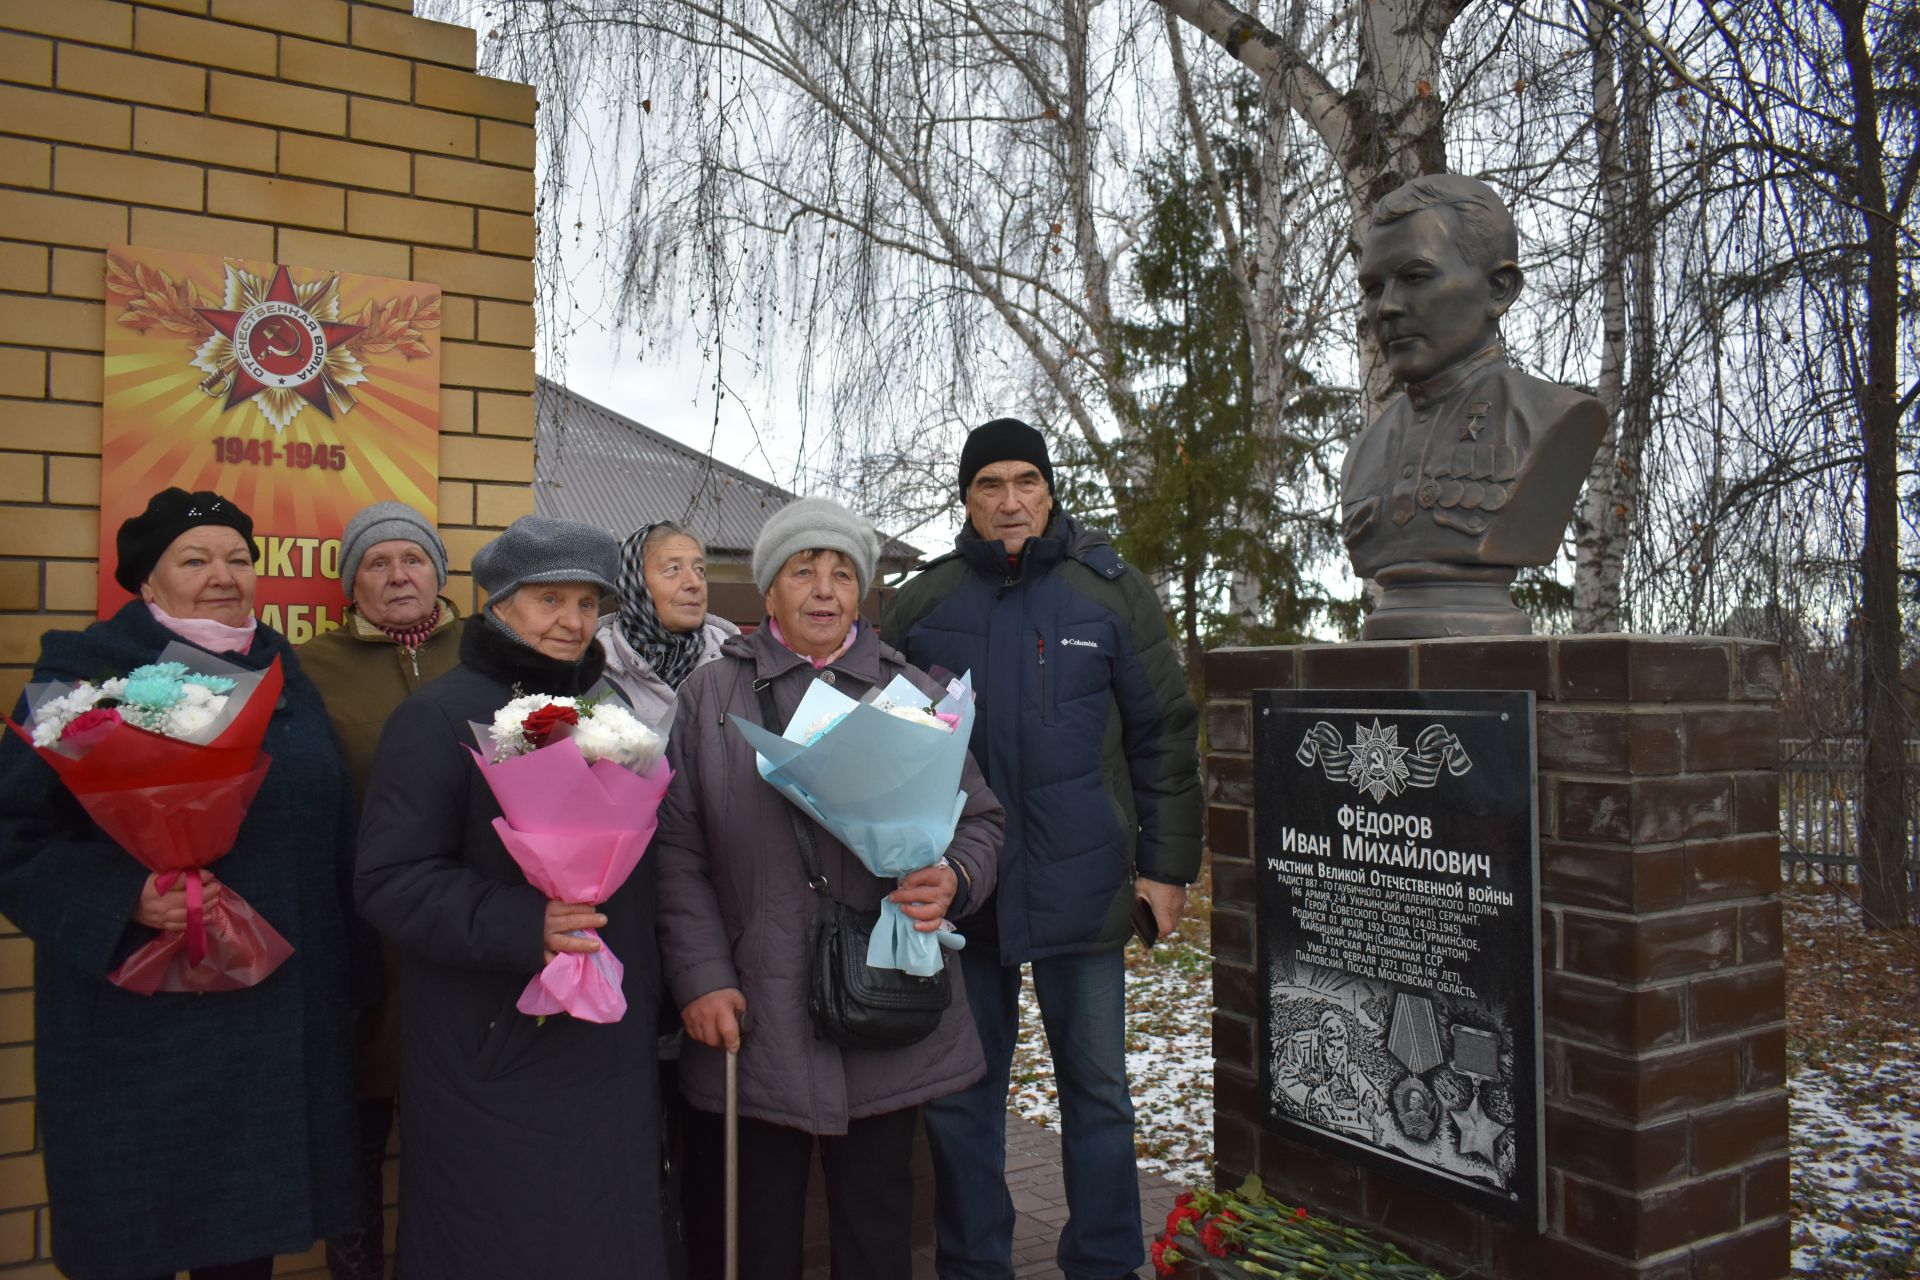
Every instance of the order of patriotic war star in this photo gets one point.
(1472, 473)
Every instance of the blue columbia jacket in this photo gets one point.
(1083, 728)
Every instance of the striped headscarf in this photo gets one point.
(672, 654)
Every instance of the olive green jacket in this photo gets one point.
(363, 675)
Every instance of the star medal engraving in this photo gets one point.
(1476, 419)
(1378, 763)
(280, 348)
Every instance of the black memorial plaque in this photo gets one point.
(1399, 936)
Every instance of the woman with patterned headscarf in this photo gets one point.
(662, 630)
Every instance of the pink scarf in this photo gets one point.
(214, 637)
(818, 663)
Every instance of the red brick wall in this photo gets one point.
(1663, 986)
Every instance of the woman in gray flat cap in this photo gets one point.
(734, 912)
(531, 1143)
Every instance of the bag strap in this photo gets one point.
(802, 828)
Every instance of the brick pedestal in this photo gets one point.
(1662, 980)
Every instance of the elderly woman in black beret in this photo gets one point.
(184, 1131)
(531, 1142)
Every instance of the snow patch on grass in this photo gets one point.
(1169, 1059)
(1853, 1052)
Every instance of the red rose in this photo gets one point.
(539, 726)
(90, 724)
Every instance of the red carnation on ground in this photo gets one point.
(1213, 1241)
(539, 725)
(1160, 1264)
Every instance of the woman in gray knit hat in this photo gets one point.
(532, 1144)
(734, 912)
(399, 632)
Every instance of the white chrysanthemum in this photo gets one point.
(919, 715)
(189, 719)
(198, 695)
(55, 714)
(610, 732)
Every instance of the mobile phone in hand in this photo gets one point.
(1146, 926)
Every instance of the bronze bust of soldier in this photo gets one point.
(1472, 473)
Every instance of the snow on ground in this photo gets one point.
(1856, 1149)
(1169, 1052)
(1853, 1044)
(1853, 1047)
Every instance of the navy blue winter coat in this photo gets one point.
(189, 1130)
(1084, 728)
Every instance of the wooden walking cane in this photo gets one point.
(733, 1157)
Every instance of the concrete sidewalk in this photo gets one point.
(1039, 1198)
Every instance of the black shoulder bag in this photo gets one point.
(853, 1004)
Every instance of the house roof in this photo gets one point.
(600, 467)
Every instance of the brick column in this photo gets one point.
(1662, 982)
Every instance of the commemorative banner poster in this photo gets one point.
(302, 394)
(1398, 890)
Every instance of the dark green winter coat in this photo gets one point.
(363, 675)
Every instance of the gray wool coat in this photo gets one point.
(734, 901)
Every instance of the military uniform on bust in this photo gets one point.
(1472, 473)
(1484, 463)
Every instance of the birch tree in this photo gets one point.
(1608, 505)
(934, 203)
(1383, 126)
(1819, 102)
(898, 192)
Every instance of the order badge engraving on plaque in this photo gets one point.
(1399, 936)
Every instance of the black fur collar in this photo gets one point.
(490, 648)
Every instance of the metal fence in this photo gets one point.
(1820, 786)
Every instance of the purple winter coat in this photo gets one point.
(734, 901)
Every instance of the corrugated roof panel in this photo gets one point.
(594, 465)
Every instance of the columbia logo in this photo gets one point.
(1080, 644)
